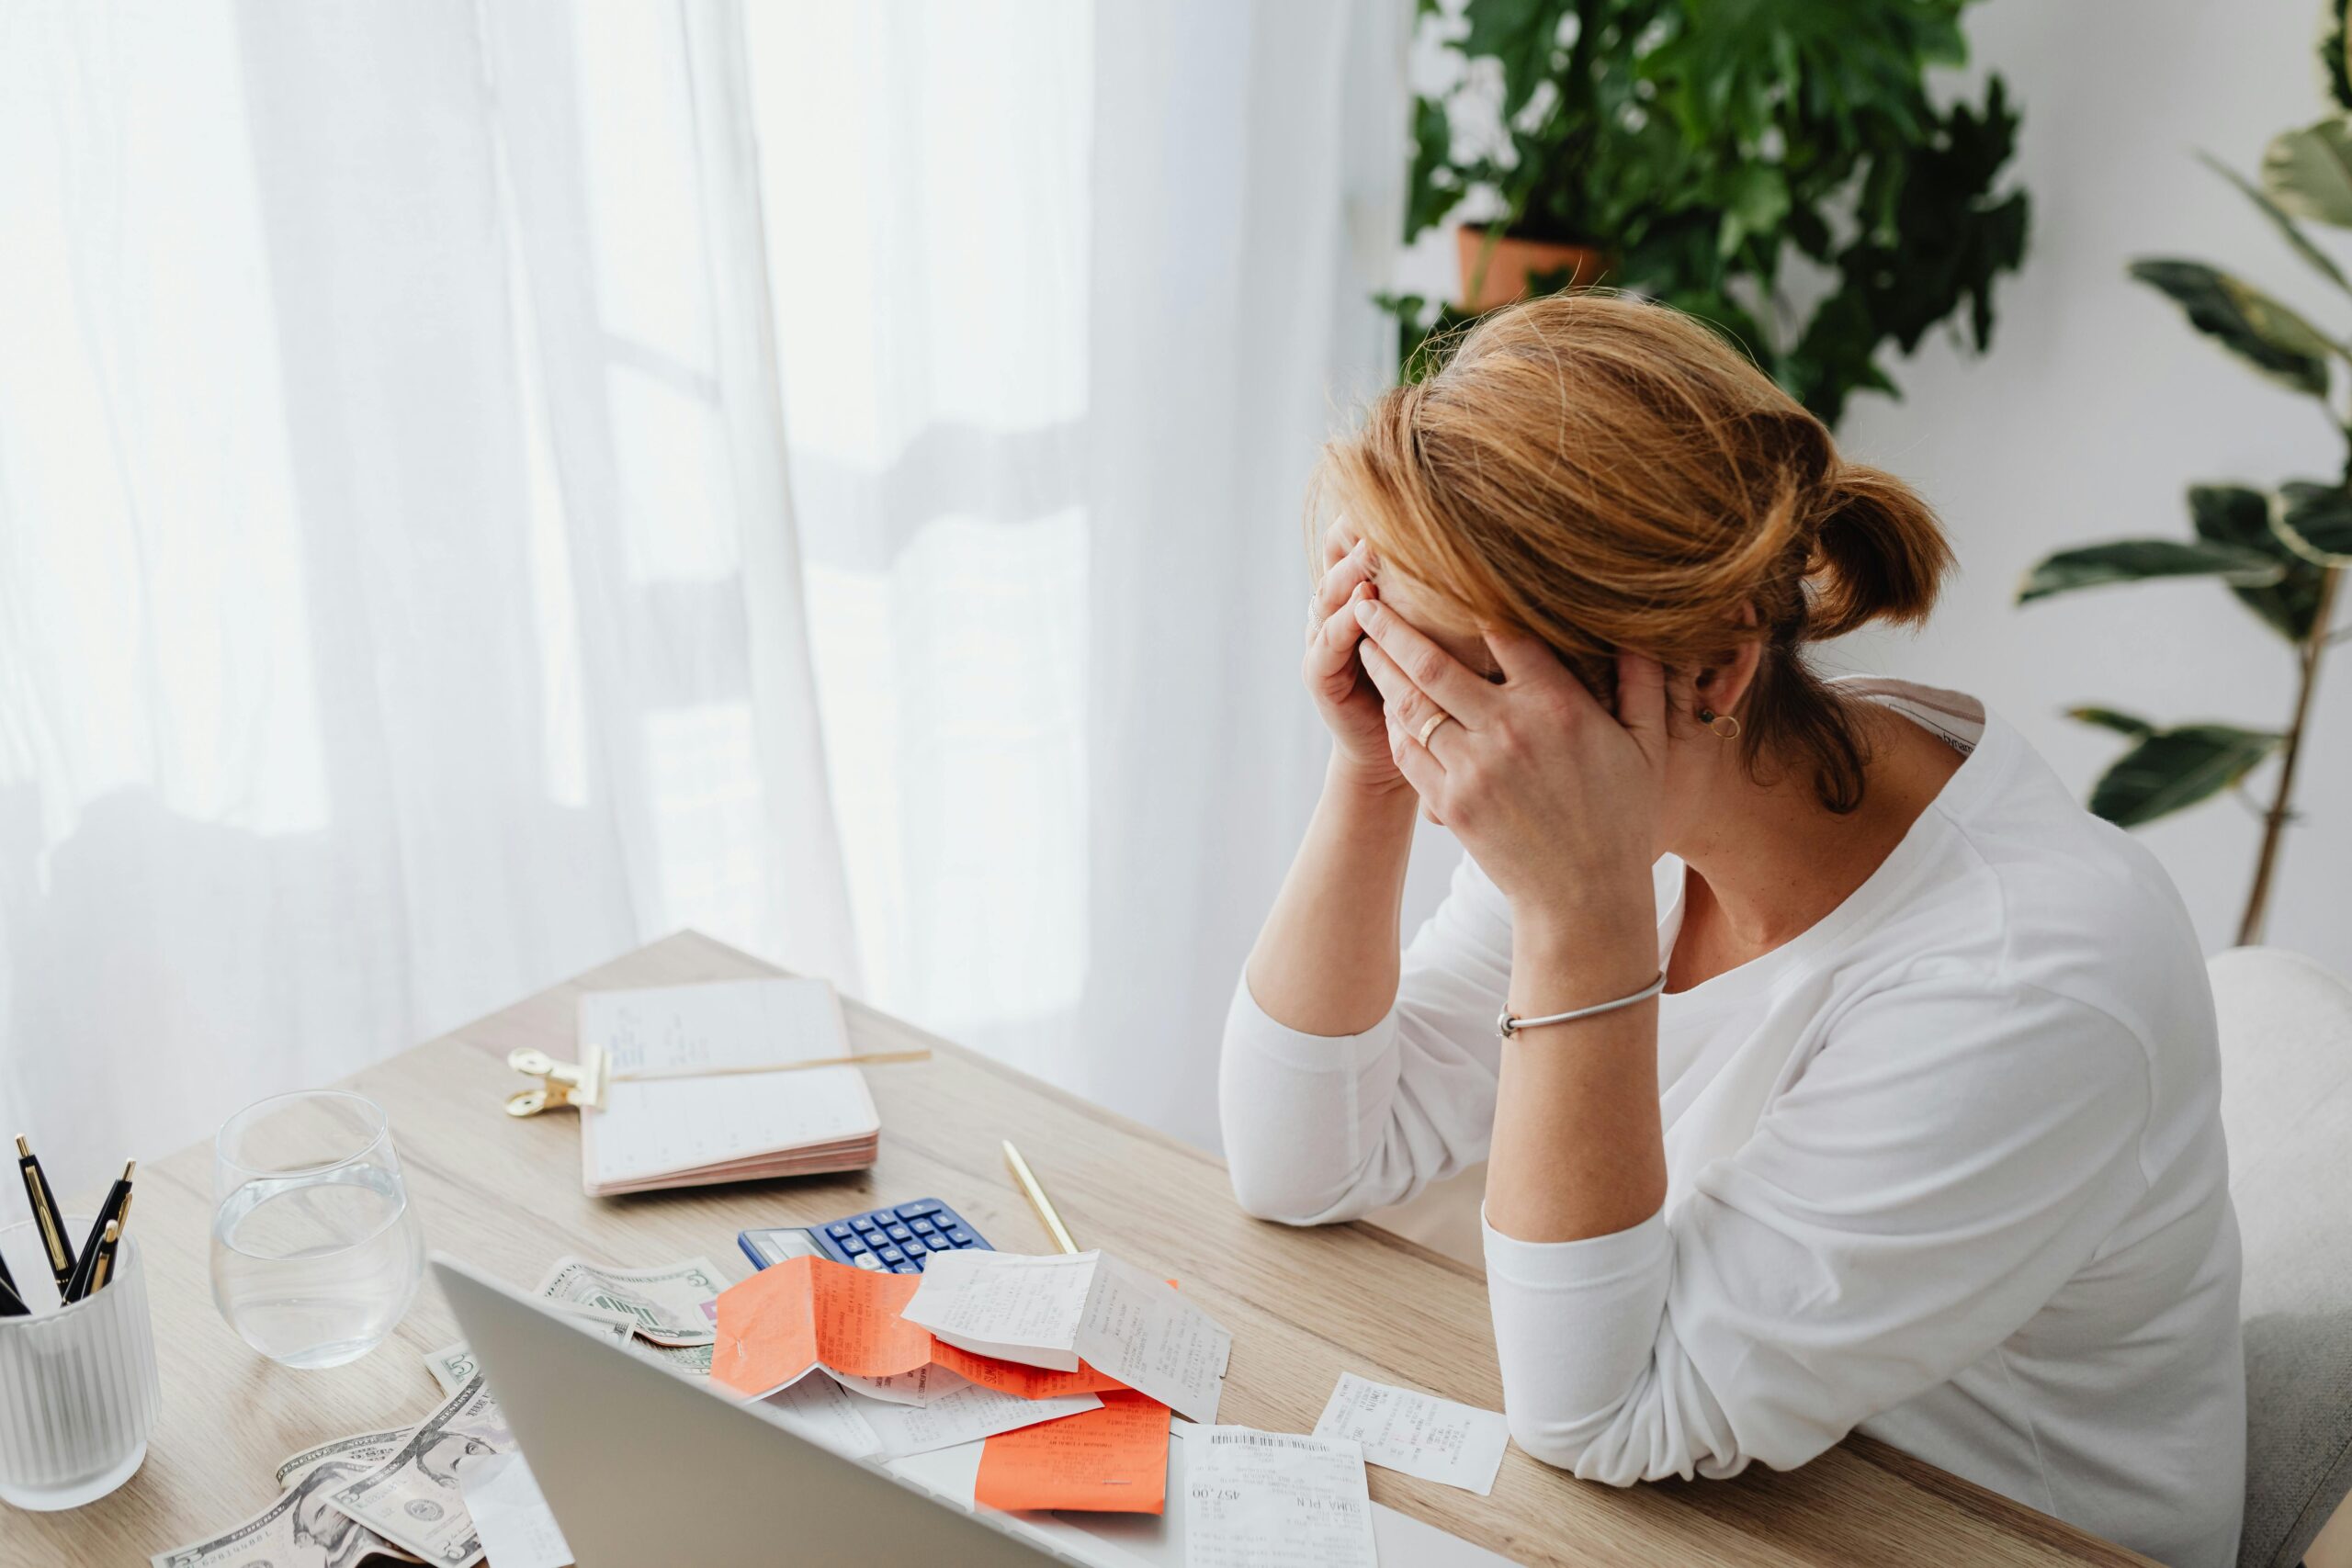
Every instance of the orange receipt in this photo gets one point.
(1011, 1377)
(792, 1318)
(1111, 1460)
(783, 1322)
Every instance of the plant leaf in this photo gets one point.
(2315, 521)
(2136, 560)
(2251, 324)
(2321, 263)
(2171, 769)
(2234, 515)
(2309, 172)
(2108, 718)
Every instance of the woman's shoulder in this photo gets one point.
(2032, 894)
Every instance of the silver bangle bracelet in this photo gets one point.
(1508, 1026)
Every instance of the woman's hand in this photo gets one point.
(1347, 700)
(1551, 795)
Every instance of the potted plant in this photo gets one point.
(2281, 551)
(1707, 153)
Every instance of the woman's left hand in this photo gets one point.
(1553, 795)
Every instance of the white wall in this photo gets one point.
(2098, 405)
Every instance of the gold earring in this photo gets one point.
(1724, 725)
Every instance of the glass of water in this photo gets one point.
(316, 1251)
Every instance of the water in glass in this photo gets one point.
(316, 1251)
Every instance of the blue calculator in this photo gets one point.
(893, 1240)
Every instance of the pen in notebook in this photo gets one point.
(114, 1211)
(47, 1218)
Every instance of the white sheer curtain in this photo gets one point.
(1066, 295)
(398, 604)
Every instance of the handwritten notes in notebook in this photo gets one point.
(1114, 1459)
(1420, 1434)
(1086, 1308)
(1276, 1500)
(686, 1130)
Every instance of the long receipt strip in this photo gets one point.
(516, 1527)
(1277, 1500)
(1057, 1311)
(1420, 1434)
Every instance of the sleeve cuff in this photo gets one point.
(1618, 1258)
(1302, 1052)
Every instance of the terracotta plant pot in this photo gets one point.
(1511, 262)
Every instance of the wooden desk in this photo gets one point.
(1303, 1305)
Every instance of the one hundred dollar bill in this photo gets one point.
(667, 1303)
(302, 1529)
(414, 1497)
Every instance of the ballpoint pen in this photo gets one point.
(102, 1270)
(114, 1212)
(1038, 1199)
(11, 1303)
(46, 1217)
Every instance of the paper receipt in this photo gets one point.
(1420, 1434)
(1276, 1500)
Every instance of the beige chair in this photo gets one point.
(2287, 1106)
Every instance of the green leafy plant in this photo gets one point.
(1729, 157)
(2282, 552)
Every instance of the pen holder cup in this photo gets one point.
(78, 1392)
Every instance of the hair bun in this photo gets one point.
(1877, 553)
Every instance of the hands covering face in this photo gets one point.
(1343, 693)
(1554, 797)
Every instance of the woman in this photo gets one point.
(1922, 1134)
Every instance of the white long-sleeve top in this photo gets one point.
(1947, 1167)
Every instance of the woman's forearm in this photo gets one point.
(1578, 1149)
(1326, 962)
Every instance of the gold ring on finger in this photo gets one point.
(1431, 728)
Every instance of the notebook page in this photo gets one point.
(679, 1125)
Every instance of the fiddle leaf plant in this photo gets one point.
(2282, 551)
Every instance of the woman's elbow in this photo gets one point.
(1547, 1442)
(1616, 1449)
(1267, 1193)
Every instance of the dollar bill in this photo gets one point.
(666, 1302)
(414, 1497)
(453, 1365)
(302, 1529)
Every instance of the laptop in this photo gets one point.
(642, 1465)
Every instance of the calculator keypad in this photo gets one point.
(898, 1240)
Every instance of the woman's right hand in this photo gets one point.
(1343, 693)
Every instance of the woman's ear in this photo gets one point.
(1720, 686)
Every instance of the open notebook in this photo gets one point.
(685, 1130)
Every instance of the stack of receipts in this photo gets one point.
(1083, 1308)
(1066, 1366)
